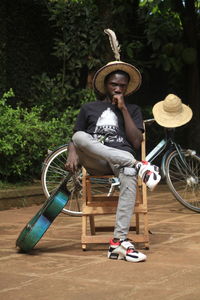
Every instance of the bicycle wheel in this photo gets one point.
(53, 172)
(184, 180)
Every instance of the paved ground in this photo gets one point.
(59, 269)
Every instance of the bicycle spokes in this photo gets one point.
(184, 178)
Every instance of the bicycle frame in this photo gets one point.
(166, 145)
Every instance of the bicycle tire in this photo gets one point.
(53, 172)
(184, 183)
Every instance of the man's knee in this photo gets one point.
(80, 139)
(129, 171)
(128, 175)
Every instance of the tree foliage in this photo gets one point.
(180, 59)
(50, 50)
(78, 50)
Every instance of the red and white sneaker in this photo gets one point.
(125, 250)
(149, 174)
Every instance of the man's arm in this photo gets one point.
(72, 159)
(134, 135)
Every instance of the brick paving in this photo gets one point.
(58, 269)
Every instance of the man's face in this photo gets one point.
(116, 84)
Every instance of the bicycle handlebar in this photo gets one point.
(149, 121)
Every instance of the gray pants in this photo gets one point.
(99, 159)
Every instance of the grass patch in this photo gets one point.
(7, 185)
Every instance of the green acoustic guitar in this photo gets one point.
(39, 224)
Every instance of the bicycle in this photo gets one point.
(180, 168)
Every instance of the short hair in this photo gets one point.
(116, 72)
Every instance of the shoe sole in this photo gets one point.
(116, 256)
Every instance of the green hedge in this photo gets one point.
(25, 138)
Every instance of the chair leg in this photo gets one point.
(137, 223)
(146, 230)
(84, 247)
(84, 231)
(92, 225)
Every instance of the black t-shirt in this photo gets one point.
(104, 120)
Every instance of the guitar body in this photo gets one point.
(38, 225)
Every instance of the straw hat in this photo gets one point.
(117, 65)
(134, 82)
(171, 112)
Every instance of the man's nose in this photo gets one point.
(118, 90)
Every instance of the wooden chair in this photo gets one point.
(95, 204)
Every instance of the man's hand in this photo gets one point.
(72, 164)
(72, 159)
(118, 99)
(133, 134)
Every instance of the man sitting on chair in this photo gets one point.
(107, 133)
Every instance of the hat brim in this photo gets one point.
(134, 82)
(170, 119)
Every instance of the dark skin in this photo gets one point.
(116, 87)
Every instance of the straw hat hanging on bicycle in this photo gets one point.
(171, 112)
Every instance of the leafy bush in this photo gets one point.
(25, 138)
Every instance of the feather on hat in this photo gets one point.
(133, 72)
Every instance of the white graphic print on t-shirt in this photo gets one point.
(107, 127)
